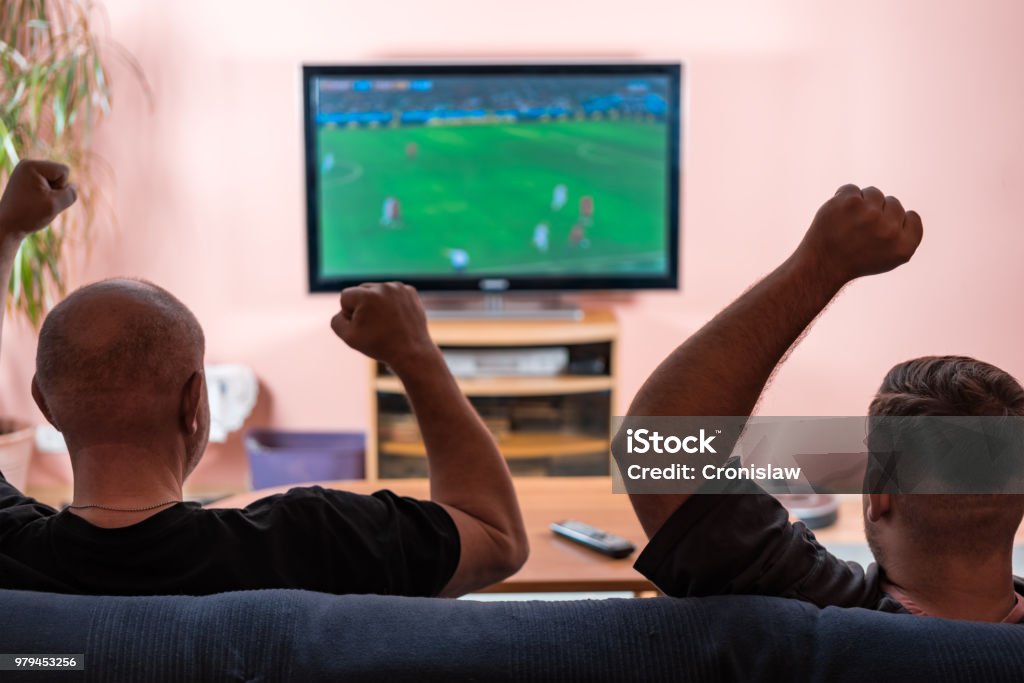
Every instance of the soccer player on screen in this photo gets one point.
(391, 213)
(586, 209)
(559, 197)
(459, 258)
(411, 150)
(540, 237)
(576, 236)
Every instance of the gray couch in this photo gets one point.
(281, 635)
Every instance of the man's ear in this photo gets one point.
(191, 399)
(37, 396)
(879, 505)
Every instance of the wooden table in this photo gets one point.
(555, 565)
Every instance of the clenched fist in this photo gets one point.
(385, 321)
(860, 232)
(36, 193)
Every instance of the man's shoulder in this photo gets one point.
(13, 503)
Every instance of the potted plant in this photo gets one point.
(54, 90)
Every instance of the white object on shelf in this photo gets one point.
(49, 440)
(523, 362)
(233, 390)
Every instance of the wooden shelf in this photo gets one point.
(596, 326)
(517, 445)
(514, 386)
(554, 425)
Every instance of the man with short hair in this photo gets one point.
(119, 371)
(946, 555)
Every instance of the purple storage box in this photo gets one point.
(277, 458)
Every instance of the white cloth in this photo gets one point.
(233, 390)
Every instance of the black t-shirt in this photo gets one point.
(742, 543)
(310, 538)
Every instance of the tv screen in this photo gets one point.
(493, 177)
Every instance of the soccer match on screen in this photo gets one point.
(516, 175)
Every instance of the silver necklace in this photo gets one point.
(104, 507)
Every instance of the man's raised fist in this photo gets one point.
(861, 232)
(36, 193)
(385, 321)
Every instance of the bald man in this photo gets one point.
(119, 371)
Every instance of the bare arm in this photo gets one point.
(36, 193)
(723, 368)
(468, 475)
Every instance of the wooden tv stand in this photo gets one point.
(545, 425)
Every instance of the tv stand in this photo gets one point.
(496, 306)
(547, 420)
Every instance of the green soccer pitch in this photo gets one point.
(483, 188)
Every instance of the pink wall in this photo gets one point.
(787, 101)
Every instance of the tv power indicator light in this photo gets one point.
(494, 285)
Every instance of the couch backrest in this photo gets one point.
(302, 636)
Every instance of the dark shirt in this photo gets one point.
(310, 538)
(732, 544)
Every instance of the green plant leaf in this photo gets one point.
(15, 284)
(10, 153)
(102, 97)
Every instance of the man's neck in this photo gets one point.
(975, 588)
(117, 485)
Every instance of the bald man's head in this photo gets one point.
(114, 359)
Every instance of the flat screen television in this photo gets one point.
(493, 177)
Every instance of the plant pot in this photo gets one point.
(16, 440)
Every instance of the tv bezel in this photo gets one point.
(498, 283)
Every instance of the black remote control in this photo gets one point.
(594, 538)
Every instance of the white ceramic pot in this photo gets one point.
(16, 440)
